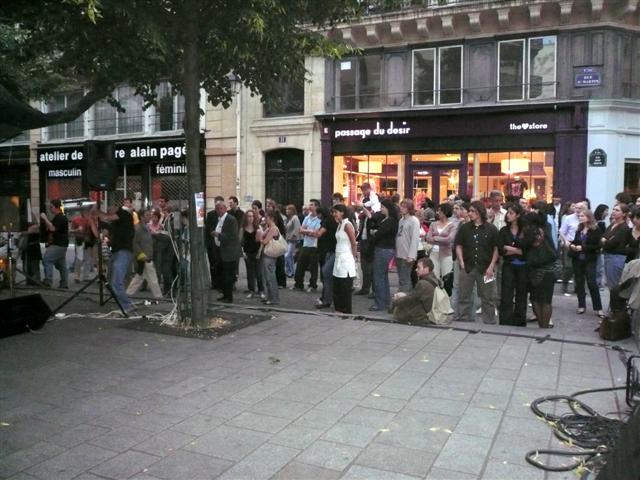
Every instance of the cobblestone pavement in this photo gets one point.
(304, 395)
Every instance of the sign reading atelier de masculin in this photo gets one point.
(149, 151)
(598, 158)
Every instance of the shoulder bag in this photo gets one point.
(276, 247)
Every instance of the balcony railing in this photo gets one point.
(385, 6)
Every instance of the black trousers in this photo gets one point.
(342, 294)
(366, 264)
(214, 269)
(281, 276)
(228, 279)
(586, 270)
(308, 261)
(166, 261)
(513, 302)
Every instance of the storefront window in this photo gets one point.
(436, 157)
(632, 177)
(515, 174)
(383, 172)
(62, 188)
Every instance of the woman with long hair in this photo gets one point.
(615, 241)
(441, 235)
(269, 263)
(407, 242)
(384, 242)
(584, 250)
(251, 241)
(513, 301)
(539, 255)
(344, 266)
(633, 248)
(292, 234)
(601, 213)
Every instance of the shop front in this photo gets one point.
(535, 153)
(14, 186)
(147, 169)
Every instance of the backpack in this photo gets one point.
(441, 312)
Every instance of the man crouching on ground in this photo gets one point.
(415, 305)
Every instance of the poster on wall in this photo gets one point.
(200, 209)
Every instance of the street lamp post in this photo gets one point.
(237, 91)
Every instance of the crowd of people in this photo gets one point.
(494, 258)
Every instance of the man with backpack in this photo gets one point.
(427, 302)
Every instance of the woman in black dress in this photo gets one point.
(513, 301)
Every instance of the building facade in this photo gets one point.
(458, 97)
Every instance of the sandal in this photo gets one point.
(580, 311)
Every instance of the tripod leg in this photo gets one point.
(84, 287)
(105, 284)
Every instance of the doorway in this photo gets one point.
(435, 182)
(284, 176)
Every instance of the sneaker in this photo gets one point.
(566, 294)
(263, 296)
(300, 289)
(249, 296)
(312, 289)
(479, 311)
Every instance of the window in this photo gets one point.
(169, 113)
(358, 83)
(291, 101)
(437, 76)
(108, 121)
(632, 177)
(71, 129)
(383, 172)
(540, 65)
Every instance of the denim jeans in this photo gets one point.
(327, 279)
(404, 275)
(613, 266)
(269, 278)
(254, 273)
(289, 258)
(56, 256)
(381, 293)
(118, 268)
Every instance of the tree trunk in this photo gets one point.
(191, 83)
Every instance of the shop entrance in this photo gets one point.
(434, 182)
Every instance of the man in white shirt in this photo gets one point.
(497, 216)
(309, 253)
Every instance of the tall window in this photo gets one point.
(358, 83)
(108, 121)
(437, 76)
(170, 109)
(290, 101)
(534, 60)
(72, 129)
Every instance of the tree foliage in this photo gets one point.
(49, 45)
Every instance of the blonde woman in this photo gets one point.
(584, 252)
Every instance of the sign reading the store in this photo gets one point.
(528, 126)
(598, 158)
(64, 173)
(169, 169)
(62, 154)
(382, 129)
(587, 77)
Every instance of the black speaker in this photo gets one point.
(102, 172)
(22, 314)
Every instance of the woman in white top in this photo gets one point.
(292, 229)
(344, 268)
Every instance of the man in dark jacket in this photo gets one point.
(143, 255)
(213, 254)
(57, 242)
(227, 240)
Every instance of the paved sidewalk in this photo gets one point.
(300, 396)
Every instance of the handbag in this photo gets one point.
(616, 327)
(276, 247)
